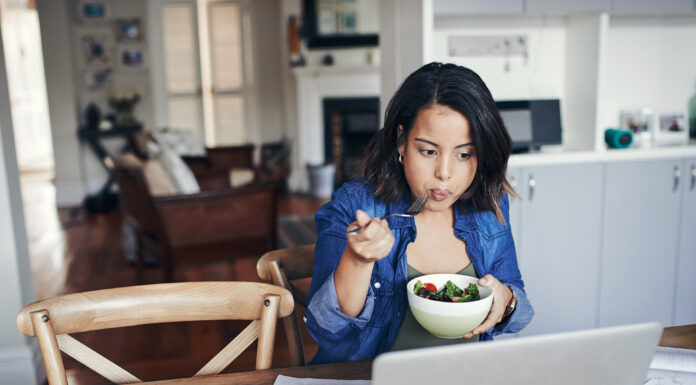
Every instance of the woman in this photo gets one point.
(443, 137)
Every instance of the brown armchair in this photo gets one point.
(221, 223)
(212, 170)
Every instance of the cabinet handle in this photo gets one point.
(693, 178)
(677, 176)
(532, 183)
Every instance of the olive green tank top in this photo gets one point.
(412, 335)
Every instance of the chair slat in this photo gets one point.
(269, 319)
(232, 350)
(53, 362)
(94, 360)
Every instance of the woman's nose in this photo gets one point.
(443, 170)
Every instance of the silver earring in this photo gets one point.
(401, 159)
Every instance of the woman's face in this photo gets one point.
(439, 158)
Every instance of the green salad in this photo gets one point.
(449, 293)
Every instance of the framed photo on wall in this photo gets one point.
(97, 50)
(97, 79)
(131, 58)
(93, 11)
(129, 30)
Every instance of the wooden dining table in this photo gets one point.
(683, 337)
(355, 370)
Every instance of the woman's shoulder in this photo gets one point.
(487, 223)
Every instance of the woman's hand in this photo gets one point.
(374, 241)
(352, 276)
(501, 297)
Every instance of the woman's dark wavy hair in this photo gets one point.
(462, 90)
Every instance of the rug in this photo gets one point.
(296, 230)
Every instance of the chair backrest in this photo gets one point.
(52, 319)
(280, 267)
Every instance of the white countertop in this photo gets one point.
(562, 157)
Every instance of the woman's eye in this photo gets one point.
(464, 155)
(428, 152)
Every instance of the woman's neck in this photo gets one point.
(436, 218)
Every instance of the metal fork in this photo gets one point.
(414, 209)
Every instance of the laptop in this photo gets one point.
(607, 356)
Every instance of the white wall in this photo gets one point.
(16, 354)
(62, 103)
(651, 63)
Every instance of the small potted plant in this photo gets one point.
(123, 103)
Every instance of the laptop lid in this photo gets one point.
(608, 356)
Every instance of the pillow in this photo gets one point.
(241, 176)
(156, 177)
(182, 177)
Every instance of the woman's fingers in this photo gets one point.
(500, 300)
(374, 241)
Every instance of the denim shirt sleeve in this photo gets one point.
(502, 264)
(325, 321)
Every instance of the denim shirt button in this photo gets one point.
(304, 319)
(377, 285)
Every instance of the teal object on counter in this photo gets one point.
(618, 138)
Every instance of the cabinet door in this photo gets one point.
(652, 6)
(567, 6)
(471, 7)
(560, 245)
(641, 227)
(685, 296)
(514, 175)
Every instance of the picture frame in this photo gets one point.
(332, 24)
(641, 122)
(97, 79)
(129, 30)
(671, 129)
(97, 50)
(93, 11)
(131, 58)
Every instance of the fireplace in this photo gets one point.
(313, 86)
(349, 124)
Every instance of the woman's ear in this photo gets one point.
(400, 142)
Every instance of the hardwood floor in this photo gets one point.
(73, 252)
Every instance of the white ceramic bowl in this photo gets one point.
(449, 319)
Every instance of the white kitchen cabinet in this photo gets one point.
(474, 7)
(685, 296)
(567, 6)
(640, 238)
(652, 6)
(514, 175)
(559, 244)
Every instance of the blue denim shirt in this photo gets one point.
(343, 338)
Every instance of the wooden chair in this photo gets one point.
(52, 319)
(280, 267)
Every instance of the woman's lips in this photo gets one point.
(438, 195)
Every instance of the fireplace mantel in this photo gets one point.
(313, 84)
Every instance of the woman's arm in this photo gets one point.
(336, 324)
(352, 277)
